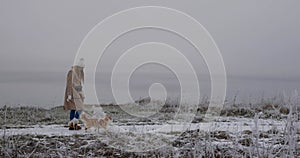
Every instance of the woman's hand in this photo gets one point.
(69, 98)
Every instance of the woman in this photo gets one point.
(74, 96)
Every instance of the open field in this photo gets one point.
(266, 130)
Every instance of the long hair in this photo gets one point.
(77, 70)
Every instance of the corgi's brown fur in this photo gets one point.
(94, 122)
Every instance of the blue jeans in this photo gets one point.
(74, 114)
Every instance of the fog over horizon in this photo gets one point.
(258, 40)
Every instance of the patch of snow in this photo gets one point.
(49, 130)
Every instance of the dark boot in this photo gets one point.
(71, 127)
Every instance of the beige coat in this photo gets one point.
(75, 79)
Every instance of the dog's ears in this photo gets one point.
(109, 116)
(83, 113)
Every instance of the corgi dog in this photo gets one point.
(94, 122)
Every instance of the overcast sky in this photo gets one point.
(255, 37)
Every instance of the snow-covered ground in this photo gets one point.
(137, 138)
(128, 136)
(229, 124)
(49, 130)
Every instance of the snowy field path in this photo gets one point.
(223, 134)
(227, 124)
